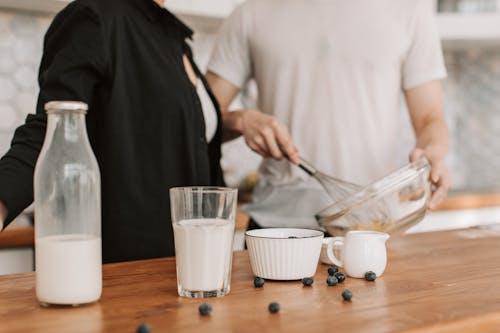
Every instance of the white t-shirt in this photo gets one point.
(333, 71)
(209, 112)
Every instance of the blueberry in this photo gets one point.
(340, 276)
(258, 282)
(274, 307)
(331, 281)
(347, 295)
(370, 276)
(307, 281)
(205, 309)
(332, 270)
(143, 328)
(292, 237)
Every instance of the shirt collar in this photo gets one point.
(155, 13)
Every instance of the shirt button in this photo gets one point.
(202, 139)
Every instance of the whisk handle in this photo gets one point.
(306, 166)
(303, 164)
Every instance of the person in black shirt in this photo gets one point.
(129, 60)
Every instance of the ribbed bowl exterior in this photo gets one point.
(284, 259)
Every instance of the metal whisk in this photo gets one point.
(337, 189)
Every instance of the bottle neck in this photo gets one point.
(67, 127)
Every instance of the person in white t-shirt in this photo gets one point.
(332, 75)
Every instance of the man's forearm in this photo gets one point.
(433, 134)
(425, 107)
(225, 92)
(426, 113)
(232, 125)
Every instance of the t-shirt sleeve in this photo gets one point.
(231, 55)
(424, 61)
(70, 69)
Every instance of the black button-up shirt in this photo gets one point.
(145, 122)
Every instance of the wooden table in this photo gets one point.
(435, 282)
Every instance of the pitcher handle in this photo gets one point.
(331, 253)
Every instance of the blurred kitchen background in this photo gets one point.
(470, 31)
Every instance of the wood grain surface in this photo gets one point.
(17, 237)
(434, 282)
(470, 201)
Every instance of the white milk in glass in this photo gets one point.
(203, 250)
(68, 269)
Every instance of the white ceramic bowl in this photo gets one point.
(284, 253)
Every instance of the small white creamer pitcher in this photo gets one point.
(361, 251)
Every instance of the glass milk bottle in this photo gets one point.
(67, 190)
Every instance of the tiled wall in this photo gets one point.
(472, 102)
(21, 38)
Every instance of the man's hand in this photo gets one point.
(3, 214)
(424, 105)
(263, 133)
(439, 176)
(267, 136)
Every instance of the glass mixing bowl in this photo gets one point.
(391, 204)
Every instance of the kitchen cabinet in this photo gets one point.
(47, 6)
(465, 25)
(215, 9)
(16, 248)
(464, 22)
(468, 26)
(202, 15)
(456, 28)
(16, 260)
(462, 211)
(203, 8)
(437, 282)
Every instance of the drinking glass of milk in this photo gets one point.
(67, 188)
(203, 222)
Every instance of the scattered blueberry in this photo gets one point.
(205, 309)
(332, 270)
(307, 281)
(143, 328)
(370, 276)
(340, 276)
(347, 295)
(274, 307)
(258, 282)
(331, 281)
(293, 237)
